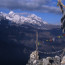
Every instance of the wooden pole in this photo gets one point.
(61, 6)
(36, 45)
(36, 41)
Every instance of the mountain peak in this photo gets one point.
(31, 19)
(11, 12)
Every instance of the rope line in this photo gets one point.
(51, 52)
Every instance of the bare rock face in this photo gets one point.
(52, 61)
(34, 57)
(63, 61)
(44, 61)
(56, 60)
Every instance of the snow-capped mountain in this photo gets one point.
(18, 41)
(32, 19)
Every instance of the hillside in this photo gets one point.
(17, 41)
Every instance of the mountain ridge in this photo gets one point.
(18, 41)
(33, 19)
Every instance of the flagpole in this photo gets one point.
(36, 45)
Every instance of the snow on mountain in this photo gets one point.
(3, 14)
(32, 19)
(13, 17)
(45, 23)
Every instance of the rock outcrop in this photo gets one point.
(63, 61)
(44, 61)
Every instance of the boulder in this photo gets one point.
(63, 61)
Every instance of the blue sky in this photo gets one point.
(46, 9)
